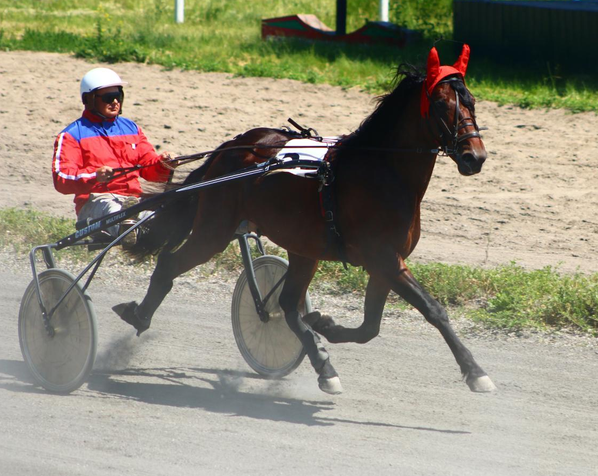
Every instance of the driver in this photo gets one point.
(87, 152)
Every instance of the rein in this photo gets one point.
(200, 155)
(445, 147)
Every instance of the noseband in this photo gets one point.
(450, 139)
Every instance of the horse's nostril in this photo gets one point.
(473, 160)
(469, 159)
(470, 163)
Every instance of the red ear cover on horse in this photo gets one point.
(436, 73)
(461, 63)
(433, 67)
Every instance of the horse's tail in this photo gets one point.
(172, 223)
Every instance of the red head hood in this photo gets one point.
(436, 73)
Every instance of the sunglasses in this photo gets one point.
(108, 98)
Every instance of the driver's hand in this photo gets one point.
(168, 160)
(104, 174)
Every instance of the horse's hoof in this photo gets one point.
(481, 384)
(322, 324)
(328, 379)
(330, 385)
(311, 318)
(128, 313)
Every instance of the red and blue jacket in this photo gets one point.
(90, 142)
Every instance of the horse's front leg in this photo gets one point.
(409, 289)
(300, 273)
(375, 299)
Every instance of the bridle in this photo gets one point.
(450, 138)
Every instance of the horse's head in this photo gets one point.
(449, 108)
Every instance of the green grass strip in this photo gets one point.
(226, 37)
(509, 297)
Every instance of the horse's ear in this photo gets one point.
(433, 68)
(463, 60)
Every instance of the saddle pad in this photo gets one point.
(305, 149)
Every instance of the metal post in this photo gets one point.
(341, 17)
(384, 10)
(179, 11)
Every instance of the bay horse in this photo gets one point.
(381, 170)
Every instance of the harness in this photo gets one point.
(328, 208)
(327, 199)
(325, 173)
(448, 144)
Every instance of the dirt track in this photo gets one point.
(534, 202)
(181, 401)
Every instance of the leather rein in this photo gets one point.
(448, 144)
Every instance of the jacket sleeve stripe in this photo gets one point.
(57, 164)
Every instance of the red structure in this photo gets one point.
(309, 27)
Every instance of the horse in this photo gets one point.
(381, 173)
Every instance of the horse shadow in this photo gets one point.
(211, 390)
(15, 377)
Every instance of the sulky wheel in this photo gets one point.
(60, 361)
(270, 348)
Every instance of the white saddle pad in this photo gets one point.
(305, 149)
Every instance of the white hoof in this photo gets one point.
(481, 384)
(330, 385)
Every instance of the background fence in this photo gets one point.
(564, 33)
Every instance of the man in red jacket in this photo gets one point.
(87, 152)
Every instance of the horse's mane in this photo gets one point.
(408, 80)
(374, 128)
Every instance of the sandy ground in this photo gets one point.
(180, 400)
(534, 201)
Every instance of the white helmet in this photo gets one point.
(100, 78)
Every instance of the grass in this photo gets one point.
(24, 229)
(225, 37)
(508, 297)
(513, 297)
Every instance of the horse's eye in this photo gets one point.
(441, 106)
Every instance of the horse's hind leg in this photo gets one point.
(198, 249)
(300, 273)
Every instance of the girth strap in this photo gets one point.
(328, 208)
(328, 203)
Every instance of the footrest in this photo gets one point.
(100, 241)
